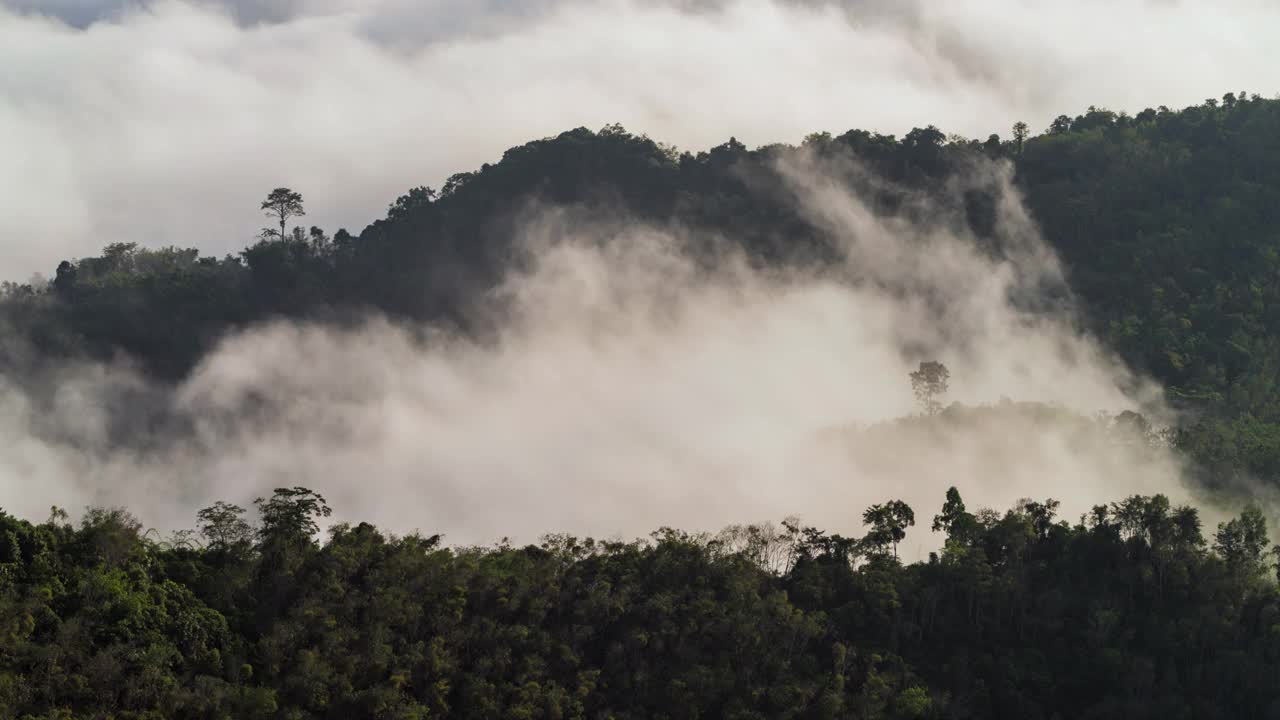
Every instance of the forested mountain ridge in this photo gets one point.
(1166, 222)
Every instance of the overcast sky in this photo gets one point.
(165, 122)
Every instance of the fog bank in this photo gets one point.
(630, 386)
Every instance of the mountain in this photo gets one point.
(1165, 222)
(1165, 236)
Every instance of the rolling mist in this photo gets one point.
(637, 375)
(627, 359)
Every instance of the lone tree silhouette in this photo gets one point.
(283, 204)
(930, 383)
(889, 523)
(1019, 136)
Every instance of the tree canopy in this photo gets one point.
(1124, 613)
(282, 204)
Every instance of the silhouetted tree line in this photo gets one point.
(1128, 612)
(1167, 221)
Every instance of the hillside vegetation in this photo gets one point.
(1168, 223)
(1125, 613)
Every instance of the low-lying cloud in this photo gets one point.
(630, 387)
(166, 121)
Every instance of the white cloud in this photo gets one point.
(629, 388)
(165, 122)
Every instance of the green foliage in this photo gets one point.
(223, 526)
(889, 523)
(288, 516)
(1242, 541)
(959, 525)
(1023, 616)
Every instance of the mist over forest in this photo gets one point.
(669, 336)
(973, 416)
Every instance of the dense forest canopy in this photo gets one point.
(1167, 224)
(1129, 612)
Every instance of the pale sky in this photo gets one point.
(165, 122)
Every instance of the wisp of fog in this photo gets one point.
(631, 384)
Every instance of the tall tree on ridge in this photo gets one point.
(282, 204)
(929, 383)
